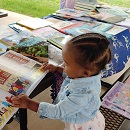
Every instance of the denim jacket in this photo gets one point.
(77, 102)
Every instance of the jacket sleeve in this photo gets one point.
(68, 106)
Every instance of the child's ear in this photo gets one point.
(86, 73)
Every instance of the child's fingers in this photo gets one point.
(8, 99)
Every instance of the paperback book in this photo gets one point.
(14, 39)
(75, 31)
(13, 81)
(35, 48)
(118, 99)
(34, 23)
(61, 25)
(107, 17)
(60, 40)
(50, 32)
(84, 5)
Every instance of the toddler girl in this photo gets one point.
(78, 101)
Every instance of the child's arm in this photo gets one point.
(23, 101)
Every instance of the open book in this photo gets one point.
(18, 74)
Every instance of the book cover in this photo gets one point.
(6, 31)
(60, 40)
(75, 31)
(14, 39)
(84, 5)
(34, 23)
(61, 25)
(102, 15)
(53, 20)
(50, 32)
(114, 19)
(103, 27)
(13, 81)
(16, 27)
(116, 30)
(35, 48)
(118, 99)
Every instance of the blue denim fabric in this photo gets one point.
(78, 101)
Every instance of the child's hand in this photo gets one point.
(49, 67)
(20, 101)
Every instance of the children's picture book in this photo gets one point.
(61, 25)
(118, 99)
(75, 31)
(6, 31)
(116, 30)
(34, 23)
(18, 74)
(35, 48)
(60, 40)
(50, 32)
(103, 27)
(14, 39)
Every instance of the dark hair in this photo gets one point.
(91, 51)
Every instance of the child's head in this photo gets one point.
(86, 55)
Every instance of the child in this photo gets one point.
(70, 3)
(78, 100)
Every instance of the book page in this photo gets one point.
(18, 74)
(22, 68)
(6, 110)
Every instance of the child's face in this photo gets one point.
(71, 68)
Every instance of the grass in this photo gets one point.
(34, 8)
(40, 8)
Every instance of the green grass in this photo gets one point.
(121, 3)
(39, 8)
(34, 8)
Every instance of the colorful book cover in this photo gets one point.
(118, 99)
(35, 48)
(78, 30)
(61, 25)
(60, 41)
(50, 32)
(14, 39)
(13, 81)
